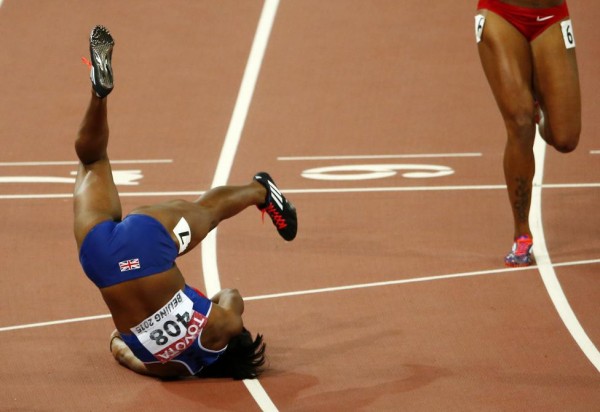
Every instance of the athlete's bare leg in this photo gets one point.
(508, 64)
(95, 195)
(556, 80)
(97, 199)
(208, 211)
(511, 64)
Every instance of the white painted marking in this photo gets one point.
(377, 157)
(54, 322)
(395, 189)
(1, 3)
(121, 194)
(120, 177)
(234, 132)
(333, 289)
(124, 177)
(232, 138)
(260, 395)
(413, 280)
(570, 185)
(75, 163)
(375, 171)
(594, 151)
(310, 191)
(433, 188)
(545, 264)
(36, 179)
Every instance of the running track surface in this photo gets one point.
(360, 311)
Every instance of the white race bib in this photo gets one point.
(567, 31)
(184, 234)
(479, 23)
(171, 329)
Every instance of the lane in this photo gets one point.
(178, 67)
(349, 79)
(181, 102)
(545, 266)
(228, 152)
(341, 79)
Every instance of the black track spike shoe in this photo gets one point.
(101, 47)
(281, 211)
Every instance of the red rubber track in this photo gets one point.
(339, 78)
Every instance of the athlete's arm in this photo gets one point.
(230, 299)
(226, 318)
(125, 357)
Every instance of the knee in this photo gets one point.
(565, 142)
(565, 148)
(520, 125)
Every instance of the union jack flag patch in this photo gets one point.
(130, 264)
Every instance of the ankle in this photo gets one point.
(261, 193)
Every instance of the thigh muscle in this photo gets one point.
(507, 62)
(95, 198)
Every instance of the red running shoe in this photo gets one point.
(521, 254)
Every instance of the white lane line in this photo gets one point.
(232, 138)
(75, 163)
(334, 289)
(413, 280)
(308, 191)
(434, 188)
(545, 264)
(234, 132)
(54, 322)
(396, 156)
(121, 194)
(594, 151)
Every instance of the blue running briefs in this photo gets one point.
(115, 252)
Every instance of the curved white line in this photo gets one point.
(544, 263)
(232, 138)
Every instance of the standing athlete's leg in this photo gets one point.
(507, 62)
(557, 86)
(95, 195)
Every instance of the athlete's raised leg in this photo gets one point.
(220, 203)
(204, 214)
(95, 195)
(557, 86)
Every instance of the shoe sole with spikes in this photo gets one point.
(101, 47)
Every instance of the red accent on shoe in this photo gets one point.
(278, 220)
(523, 244)
(86, 62)
(521, 253)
